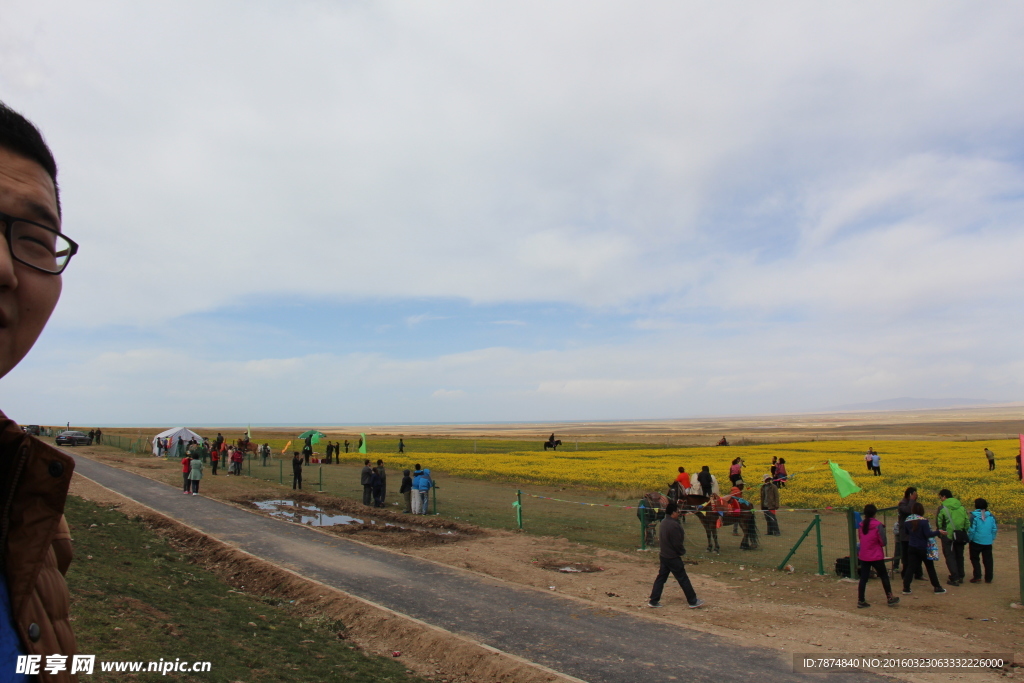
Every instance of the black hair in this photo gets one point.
(946, 493)
(417, 466)
(980, 504)
(910, 490)
(916, 509)
(782, 460)
(704, 469)
(18, 135)
(682, 469)
(868, 515)
(671, 508)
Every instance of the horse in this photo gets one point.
(247, 446)
(713, 512)
(553, 445)
(651, 510)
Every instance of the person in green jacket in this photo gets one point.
(196, 473)
(952, 524)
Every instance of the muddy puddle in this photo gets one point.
(312, 515)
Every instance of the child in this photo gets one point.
(872, 555)
(982, 534)
(921, 549)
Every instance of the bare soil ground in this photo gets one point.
(793, 613)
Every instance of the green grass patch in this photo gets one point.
(136, 598)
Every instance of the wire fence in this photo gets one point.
(125, 443)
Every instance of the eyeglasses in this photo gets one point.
(38, 246)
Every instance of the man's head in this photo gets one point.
(28, 190)
(379, 463)
(672, 510)
(910, 493)
(681, 470)
(944, 494)
(367, 462)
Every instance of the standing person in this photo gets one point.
(236, 460)
(421, 484)
(307, 449)
(328, 452)
(92, 436)
(991, 457)
(903, 509)
(406, 490)
(922, 549)
(781, 474)
(99, 436)
(265, 453)
(770, 503)
(186, 466)
(366, 480)
(296, 470)
(982, 534)
(401, 446)
(671, 542)
(360, 444)
(346, 445)
(220, 441)
(869, 459)
(876, 463)
(952, 519)
(872, 555)
(383, 481)
(195, 474)
(378, 488)
(704, 479)
(214, 459)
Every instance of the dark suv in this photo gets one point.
(73, 439)
(34, 430)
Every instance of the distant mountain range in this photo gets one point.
(907, 403)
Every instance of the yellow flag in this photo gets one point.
(285, 449)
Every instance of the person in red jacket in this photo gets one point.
(186, 467)
(871, 555)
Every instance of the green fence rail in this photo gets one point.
(125, 443)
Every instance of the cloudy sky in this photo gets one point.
(345, 212)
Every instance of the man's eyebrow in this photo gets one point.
(42, 211)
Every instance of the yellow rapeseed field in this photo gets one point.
(928, 465)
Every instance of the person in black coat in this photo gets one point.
(296, 470)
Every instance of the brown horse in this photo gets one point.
(246, 446)
(711, 511)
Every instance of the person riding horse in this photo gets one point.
(552, 442)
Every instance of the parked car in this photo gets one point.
(73, 439)
(34, 430)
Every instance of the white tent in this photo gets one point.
(174, 436)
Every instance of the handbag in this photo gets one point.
(933, 550)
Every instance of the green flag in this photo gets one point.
(248, 432)
(844, 482)
(362, 446)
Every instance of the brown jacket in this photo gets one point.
(769, 496)
(36, 542)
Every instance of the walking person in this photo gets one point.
(903, 509)
(383, 482)
(406, 490)
(872, 555)
(922, 549)
(186, 467)
(982, 534)
(296, 470)
(366, 480)
(770, 503)
(991, 457)
(401, 446)
(671, 540)
(952, 520)
(876, 463)
(195, 474)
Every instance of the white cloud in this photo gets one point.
(730, 178)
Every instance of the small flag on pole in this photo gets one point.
(285, 449)
(248, 432)
(844, 482)
(362, 444)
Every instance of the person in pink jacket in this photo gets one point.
(871, 554)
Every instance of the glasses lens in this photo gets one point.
(40, 247)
